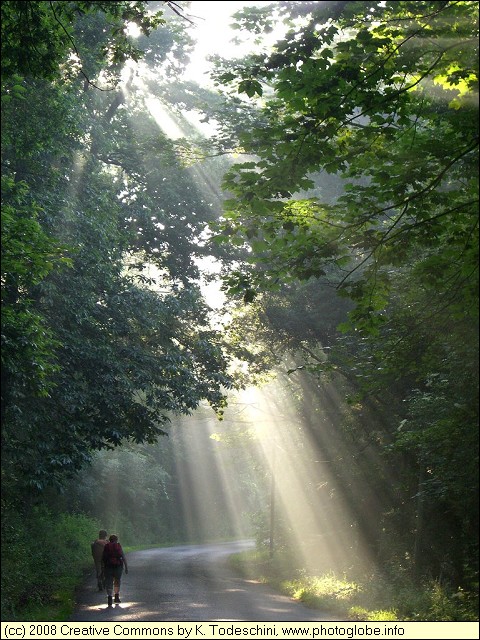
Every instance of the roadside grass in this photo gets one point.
(369, 598)
(44, 556)
(59, 605)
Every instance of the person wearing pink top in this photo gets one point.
(114, 561)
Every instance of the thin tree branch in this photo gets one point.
(76, 51)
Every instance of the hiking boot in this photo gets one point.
(117, 597)
(109, 601)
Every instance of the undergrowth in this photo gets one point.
(44, 557)
(367, 598)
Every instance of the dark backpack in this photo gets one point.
(113, 555)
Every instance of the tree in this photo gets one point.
(385, 97)
(39, 37)
(356, 93)
(28, 255)
(36, 43)
(118, 351)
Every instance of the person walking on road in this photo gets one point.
(114, 562)
(97, 547)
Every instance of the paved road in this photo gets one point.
(189, 583)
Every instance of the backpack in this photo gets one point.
(113, 554)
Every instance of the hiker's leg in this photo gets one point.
(116, 583)
(99, 570)
(117, 579)
(109, 580)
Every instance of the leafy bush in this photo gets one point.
(42, 554)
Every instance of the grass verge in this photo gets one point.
(368, 598)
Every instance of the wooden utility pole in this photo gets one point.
(272, 504)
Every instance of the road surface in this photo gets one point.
(189, 583)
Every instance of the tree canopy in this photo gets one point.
(385, 97)
(105, 333)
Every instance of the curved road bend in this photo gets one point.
(189, 583)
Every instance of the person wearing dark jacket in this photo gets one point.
(114, 561)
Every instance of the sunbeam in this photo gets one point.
(163, 119)
(214, 489)
(310, 507)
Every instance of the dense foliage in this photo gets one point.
(49, 575)
(95, 351)
(384, 97)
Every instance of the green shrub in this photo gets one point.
(43, 554)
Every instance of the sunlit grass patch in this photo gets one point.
(324, 592)
(359, 613)
(328, 586)
(58, 607)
